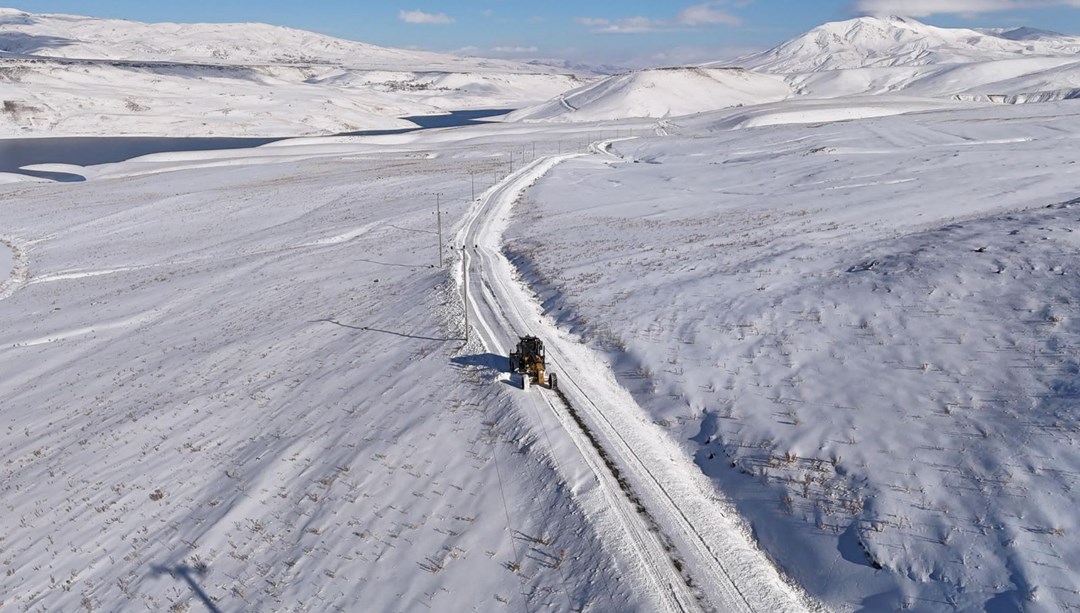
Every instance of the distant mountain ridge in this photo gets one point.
(72, 36)
(866, 56)
(66, 75)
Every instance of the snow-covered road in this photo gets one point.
(688, 550)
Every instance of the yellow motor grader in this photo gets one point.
(529, 361)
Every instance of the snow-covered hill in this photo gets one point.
(90, 99)
(659, 93)
(73, 36)
(67, 75)
(866, 330)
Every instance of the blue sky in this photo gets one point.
(626, 32)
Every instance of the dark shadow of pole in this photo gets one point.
(370, 329)
(489, 361)
(491, 367)
(188, 574)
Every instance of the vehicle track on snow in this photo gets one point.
(691, 554)
(20, 267)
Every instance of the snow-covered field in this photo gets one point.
(252, 395)
(863, 331)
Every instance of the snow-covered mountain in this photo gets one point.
(659, 93)
(1025, 33)
(858, 57)
(69, 75)
(873, 42)
(871, 55)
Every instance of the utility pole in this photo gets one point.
(438, 218)
(472, 183)
(465, 287)
(511, 161)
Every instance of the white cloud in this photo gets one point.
(628, 25)
(422, 17)
(515, 49)
(592, 22)
(708, 13)
(926, 8)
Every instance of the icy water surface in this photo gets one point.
(16, 153)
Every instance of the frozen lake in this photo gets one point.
(16, 153)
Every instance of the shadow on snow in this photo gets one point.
(188, 574)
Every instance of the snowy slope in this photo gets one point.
(862, 331)
(111, 77)
(658, 93)
(1044, 77)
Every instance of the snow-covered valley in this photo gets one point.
(814, 323)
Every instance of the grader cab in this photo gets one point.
(528, 360)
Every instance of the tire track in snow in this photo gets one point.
(20, 268)
(669, 513)
(63, 335)
(70, 275)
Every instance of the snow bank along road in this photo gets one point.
(685, 545)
